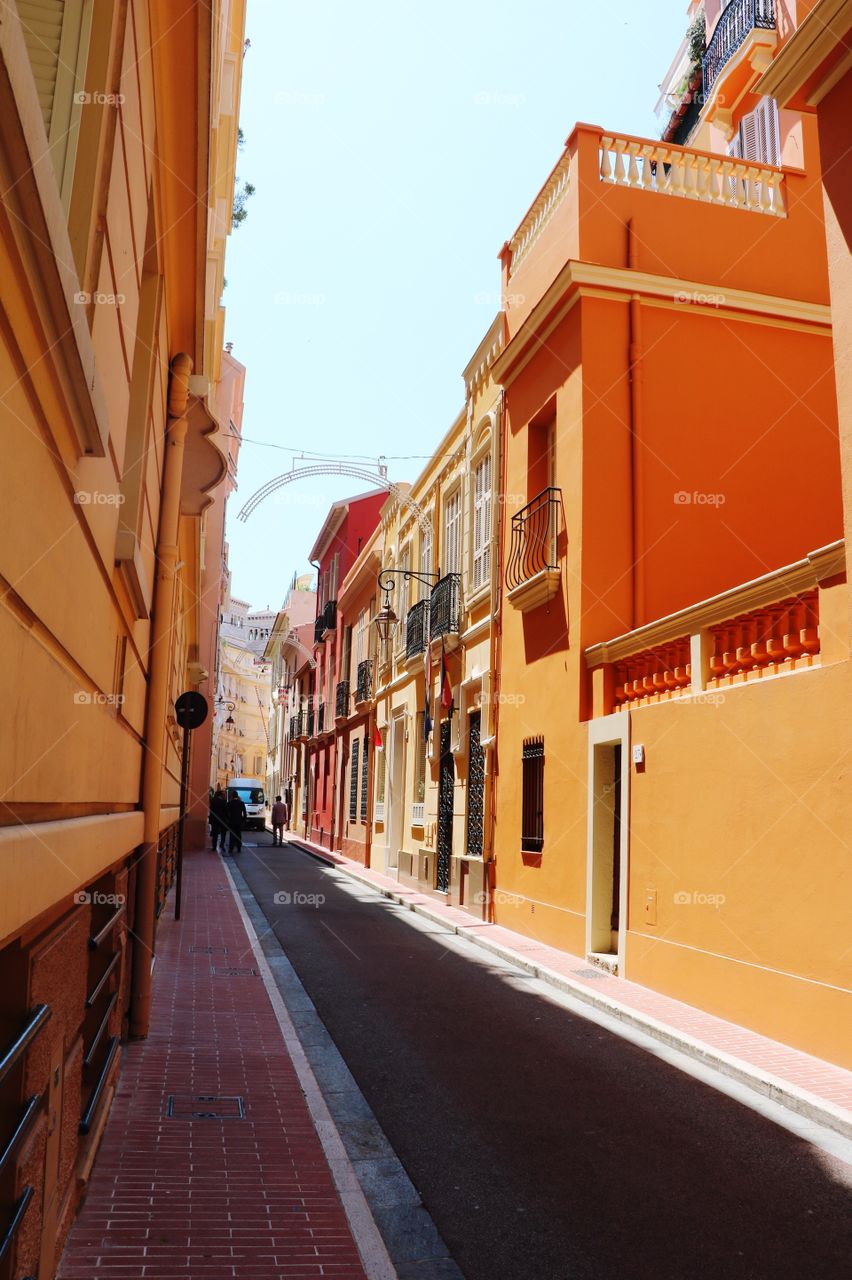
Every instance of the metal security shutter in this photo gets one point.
(532, 816)
(365, 773)
(353, 782)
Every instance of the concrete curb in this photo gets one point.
(799, 1101)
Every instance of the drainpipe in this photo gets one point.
(634, 373)
(496, 649)
(162, 622)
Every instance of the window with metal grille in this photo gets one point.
(365, 767)
(532, 817)
(353, 782)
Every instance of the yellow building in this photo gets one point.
(117, 184)
(432, 798)
(241, 726)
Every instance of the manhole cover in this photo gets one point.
(233, 972)
(208, 951)
(205, 1106)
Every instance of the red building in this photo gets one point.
(348, 526)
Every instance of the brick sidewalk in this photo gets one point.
(204, 1198)
(826, 1083)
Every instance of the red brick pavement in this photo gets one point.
(210, 1199)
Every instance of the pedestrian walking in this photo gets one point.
(218, 812)
(235, 816)
(279, 819)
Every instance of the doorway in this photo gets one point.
(446, 787)
(606, 913)
(396, 796)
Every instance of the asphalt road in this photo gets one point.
(544, 1146)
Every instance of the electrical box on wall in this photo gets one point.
(650, 906)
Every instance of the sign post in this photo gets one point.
(190, 711)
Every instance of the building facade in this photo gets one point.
(674, 620)
(241, 713)
(289, 645)
(117, 155)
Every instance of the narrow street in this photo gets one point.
(543, 1145)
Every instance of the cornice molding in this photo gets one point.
(585, 279)
(803, 575)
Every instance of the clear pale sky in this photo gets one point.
(394, 147)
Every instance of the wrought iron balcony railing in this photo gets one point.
(445, 606)
(417, 628)
(320, 725)
(329, 615)
(297, 726)
(535, 532)
(364, 684)
(319, 628)
(734, 25)
(341, 700)
(311, 717)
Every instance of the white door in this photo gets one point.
(395, 796)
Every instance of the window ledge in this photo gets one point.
(536, 591)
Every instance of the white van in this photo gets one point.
(250, 791)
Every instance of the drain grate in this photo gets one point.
(208, 951)
(233, 972)
(591, 973)
(205, 1106)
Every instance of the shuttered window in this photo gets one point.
(482, 522)
(56, 34)
(452, 533)
(425, 557)
(758, 136)
(353, 781)
(365, 768)
(532, 815)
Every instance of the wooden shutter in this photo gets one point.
(41, 22)
(365, 776)
(482, 522)
(451, 534)
(768, 134)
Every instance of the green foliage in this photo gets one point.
(696, 39)
(242, 194)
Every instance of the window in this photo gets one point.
(379, 767)
(56, 34)
(482, 522)
(425, 556)
(353, 781)
(365, 770)
(404, 594)
(361, 637)
(758, 136)
(532, 816)
(452, 533)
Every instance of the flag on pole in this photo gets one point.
(427, 677)
(446, 684)
(377, 738)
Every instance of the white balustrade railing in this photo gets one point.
(692, 175)
(540, 213)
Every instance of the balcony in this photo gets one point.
(445, 607)
(319, 628)
(297, 726)
(341, 700)
(735, 25)
(767, 627)
(329, 617)
(311, 720)
(320, 725)
(417, 629)
(533, 575)
(364, 683)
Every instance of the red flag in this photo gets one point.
(377, 738)
(446, 684)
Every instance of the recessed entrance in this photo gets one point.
(607, 850)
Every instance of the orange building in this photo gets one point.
(117, 144)
(674, 765)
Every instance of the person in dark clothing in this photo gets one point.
(218, 812)
(235, 816)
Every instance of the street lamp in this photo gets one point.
(223, 702)
(386, 618)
